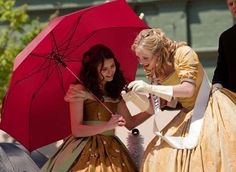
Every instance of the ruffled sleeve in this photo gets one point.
(76, 93)
(186, 64)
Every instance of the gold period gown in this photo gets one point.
(99, 153)
(216, 150)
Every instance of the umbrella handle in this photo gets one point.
(99, 101)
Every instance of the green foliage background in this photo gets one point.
(16, 31)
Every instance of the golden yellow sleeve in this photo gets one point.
(186, 64)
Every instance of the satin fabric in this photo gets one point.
(216, 150)
(99, 153)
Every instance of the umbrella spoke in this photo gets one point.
(40, 55)
(60, 50)
(34, 72)
(49, 73)
(88, 37)
(61, 79)
(66, 59)
(71, 35)
(64, 46)
(68, 54)
(54, 43)
(72, 61)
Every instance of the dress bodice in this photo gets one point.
(94, 111)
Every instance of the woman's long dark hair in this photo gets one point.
(90, 77)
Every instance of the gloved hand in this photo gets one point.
(215, 87)
(165, 92)
(141, 102)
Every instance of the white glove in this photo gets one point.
(135, 100)
(215, 87)
(165, 92)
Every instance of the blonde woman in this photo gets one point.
(202, 137)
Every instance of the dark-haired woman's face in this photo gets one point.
(107, 70)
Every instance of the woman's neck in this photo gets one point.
(160, 78)
(102, 86)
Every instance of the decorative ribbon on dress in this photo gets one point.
(191, 140)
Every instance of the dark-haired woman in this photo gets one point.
(93, 146)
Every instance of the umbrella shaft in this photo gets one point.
(89, 91)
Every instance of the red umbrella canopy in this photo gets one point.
(34, 111)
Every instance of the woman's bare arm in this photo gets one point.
(133, 121)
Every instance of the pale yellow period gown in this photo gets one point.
(100, 153)
(216, 149)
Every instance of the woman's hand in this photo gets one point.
(150, 109)
(139, 86)
(76, 93)
(215, 87)
(116, 120)
(162, 91)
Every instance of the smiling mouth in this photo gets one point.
(146, 66)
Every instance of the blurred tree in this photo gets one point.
(16, 31)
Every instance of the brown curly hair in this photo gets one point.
(89, 75)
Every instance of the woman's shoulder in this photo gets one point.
(184, 50)
(185, 54)
(186, 64)
(79, 86)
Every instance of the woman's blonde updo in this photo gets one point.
(163, 48)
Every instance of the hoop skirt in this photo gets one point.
(99, 153)
(216, 148)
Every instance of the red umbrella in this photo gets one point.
(34, 111)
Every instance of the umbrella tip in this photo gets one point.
(141, 16)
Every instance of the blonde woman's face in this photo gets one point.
(107, 71)
(146, 58)
(232, 7)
